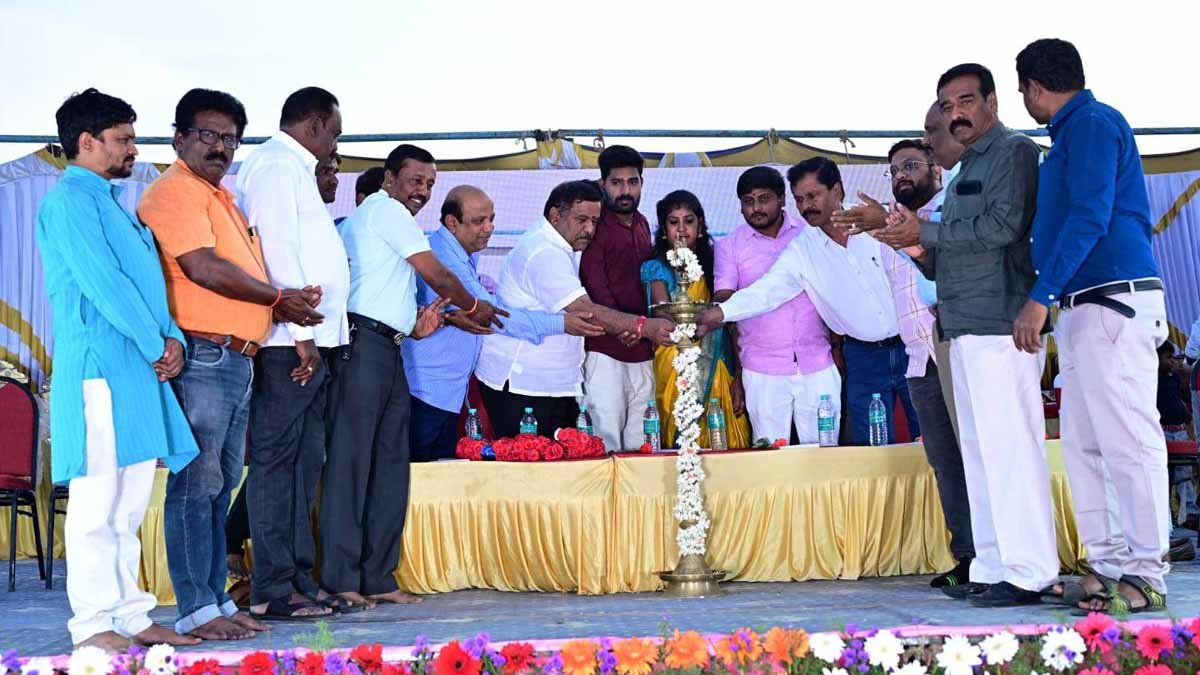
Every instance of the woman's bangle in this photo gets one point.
(474, 307)
(278, 297)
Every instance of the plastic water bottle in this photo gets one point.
(827, 433)
(474, 426)
(528, 422)
(583, 423)
(650, 428)
(877, 421)
(717, 438)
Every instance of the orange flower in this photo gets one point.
(784, 645)
(686, 651)
(579, 657)
(741, 647)
(635, 656)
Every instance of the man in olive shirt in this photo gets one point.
(979, 256)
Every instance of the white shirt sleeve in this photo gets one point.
(784, 281)
(552, 279)
(399, 230)
(1192, 350)
(270, 201)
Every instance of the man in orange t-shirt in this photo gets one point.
(218, 293)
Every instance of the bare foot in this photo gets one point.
(221, 628)
(236, 564)
(357, 599)
(247, 621)
(156, 634)
(397, 597)
(109, 641)
(1130, 593)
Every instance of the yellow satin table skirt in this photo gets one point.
(605, 526)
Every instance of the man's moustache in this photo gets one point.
(959, 123)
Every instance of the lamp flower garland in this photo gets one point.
(692, 535)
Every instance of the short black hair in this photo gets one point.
(909, 143)
(89, 111)
(619, 157)
(209, 100)
(759, 178)
(826, 169)
(1166, 348)
(396, 158)
(370, 181)
(987, 83)
(306, 102)
(1053, 63)
(564, 195)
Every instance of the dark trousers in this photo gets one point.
(434, 432)
(875, 369)
(237, 526)
(506, 409)
(286, 450)
(364, 493)
(941, 449)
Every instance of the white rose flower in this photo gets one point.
(958, 656)
(827, 646)
(884, 649)
(912, 668)
(89, 661)
(1000, 648)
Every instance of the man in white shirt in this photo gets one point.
(364, 495)
(845, 278)
(277, 190)
(541, 273)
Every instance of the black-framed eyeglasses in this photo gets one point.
(209, 137)
(908, 167)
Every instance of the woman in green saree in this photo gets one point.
(681, 220)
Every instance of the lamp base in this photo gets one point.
(692, 578)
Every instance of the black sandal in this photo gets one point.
(280, 609)
(1117, 604)
(1072, 594)
(340, 605)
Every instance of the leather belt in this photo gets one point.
(892, 341)
(233, 342)
(377, 327)
(1100, 295)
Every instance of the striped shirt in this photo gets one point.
(913, 313)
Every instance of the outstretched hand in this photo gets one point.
(866, 217)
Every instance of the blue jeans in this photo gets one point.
(434, 432)
(214, 391)
(874, 369)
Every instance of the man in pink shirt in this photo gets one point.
(785, 361)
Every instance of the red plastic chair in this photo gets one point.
(18, 467)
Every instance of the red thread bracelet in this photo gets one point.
(641, 323)
(278, 297)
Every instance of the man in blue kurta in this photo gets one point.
(113, 414)
(1092, 255)
(440, 366)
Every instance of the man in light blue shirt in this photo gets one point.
(440, 366)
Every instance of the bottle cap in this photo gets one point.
(471, 411)
(713, 400)
(582, 407)
(652, 404)
(875, 396)
(530, 410)
(824, 397)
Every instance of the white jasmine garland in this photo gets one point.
(689, 502)
(686, 265)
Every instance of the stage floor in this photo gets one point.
(33, 620)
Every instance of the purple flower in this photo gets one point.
(608, 661)
(287, 662)
(606, 643)
(554, 665)
(851, 628)
(856, 644)
(421, 645)
(734, 646)
(1111, 634)
(1181, 633)
(11, 661)
(848, 656)
(334, 663)
(862, 667)
(497, 658)
(474, 647)
(352, 668)
(136, 651)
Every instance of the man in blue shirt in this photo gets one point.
(440, 366)
(1092, 255)
(113, 413)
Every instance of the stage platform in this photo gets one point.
(34, 619)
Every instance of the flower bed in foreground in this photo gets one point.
(1096, 645)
